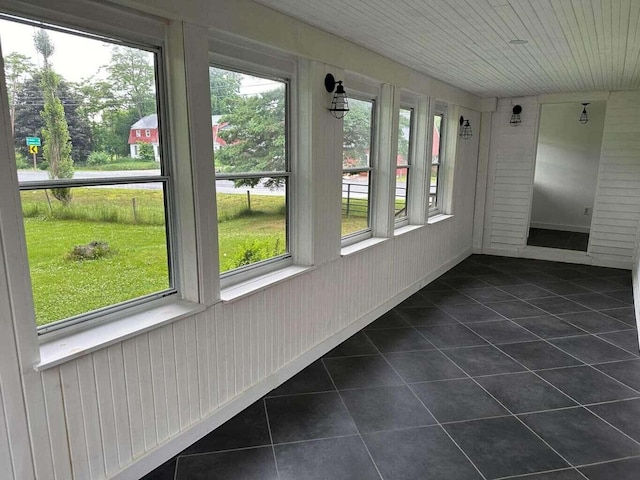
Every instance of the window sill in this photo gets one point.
(438, 218)
(406, 229)
(359, 246)
(249, 287)
(79, 343)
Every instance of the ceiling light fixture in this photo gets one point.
(465, 130)
(339, 102)
(584, 116)
(515, 116)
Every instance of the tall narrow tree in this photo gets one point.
(57, 142)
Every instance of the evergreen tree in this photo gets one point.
(57, 142)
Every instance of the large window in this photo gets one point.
(250, 131)
(437, 151)
(403, 164)
(95, 194)
(356, 168)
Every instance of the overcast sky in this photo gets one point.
(74, 57)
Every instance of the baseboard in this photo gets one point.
(562, 228)
(557, 255)
(175, 445)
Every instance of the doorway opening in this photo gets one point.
(566, 173)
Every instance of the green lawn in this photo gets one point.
(137, 264)
(62, 288)
(125, 165)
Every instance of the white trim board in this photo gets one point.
(554, 255)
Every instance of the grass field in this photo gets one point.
(116, 166)
(138, 262)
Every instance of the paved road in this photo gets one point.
(222, 186)
(358, 188)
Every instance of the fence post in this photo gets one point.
(135, 213)
(348, 197)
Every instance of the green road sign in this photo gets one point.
(33, 141)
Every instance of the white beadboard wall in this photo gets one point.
(614, 229)
(120, 411)
(119, 403)
(511, 166)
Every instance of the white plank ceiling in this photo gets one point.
(573, 45)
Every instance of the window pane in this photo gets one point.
(72, 118)
(249, 115)
(405, 131)
(402, 182)
(435, 161)
(404, 135)
(355, 202)
(357, 134)
(109, 245)
(86, 109)
(248, 119)
(252, 221)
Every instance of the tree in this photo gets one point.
(357, 134)
(29, 102)
(17, 69)
(224, 86)
(57, 143)
(404, 133)
(44, 46)
(132, 80)
(255, 137)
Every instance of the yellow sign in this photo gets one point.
(33, 149)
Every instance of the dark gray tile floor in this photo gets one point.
(502, 368)
(541, 237)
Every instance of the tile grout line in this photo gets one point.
(559, 348)
(273, 448)
(375, 465)
(507, 409)
(579, 404)
(429, 411)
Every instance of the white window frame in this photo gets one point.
(83, 320)
(264, 63)
(439, 207)
(194, 285)
(147, 133)
(360, 89)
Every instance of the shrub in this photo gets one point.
(257, 250)
(98, 158)
(145, 152)
(91, 251)
(21, 160)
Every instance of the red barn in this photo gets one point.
(145, 130)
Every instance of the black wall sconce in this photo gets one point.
(339, 103)
(515, 116)
(465, 128)
(584, 116)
